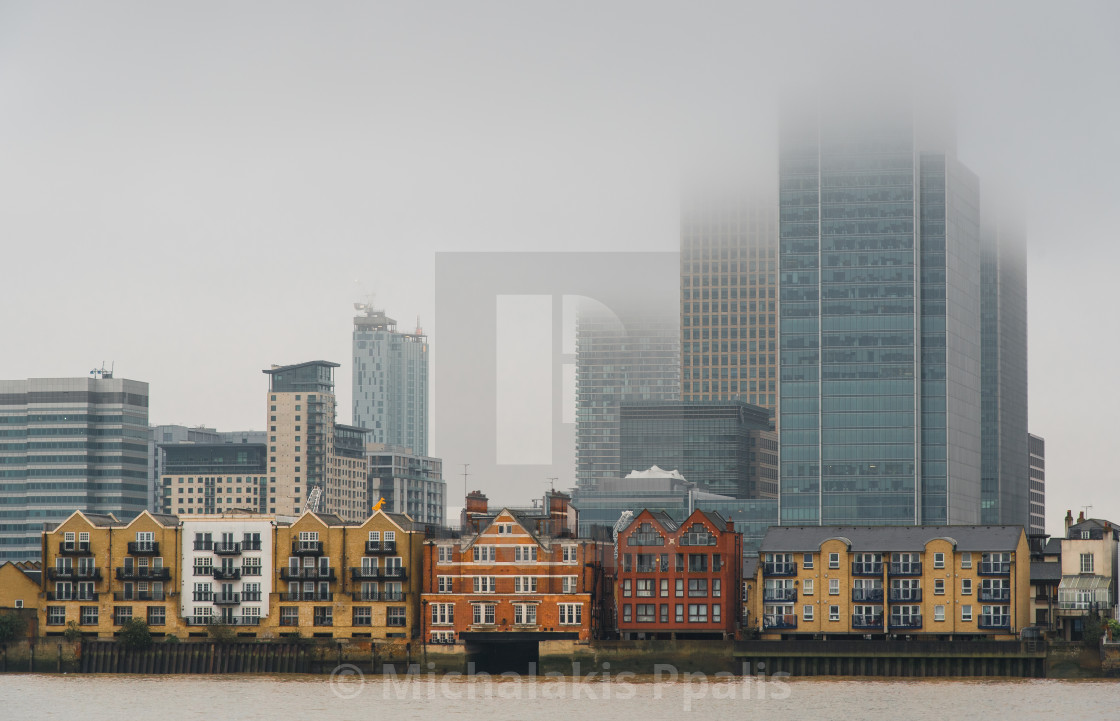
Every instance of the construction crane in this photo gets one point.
(314, 498)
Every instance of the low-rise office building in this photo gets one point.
(879, 581)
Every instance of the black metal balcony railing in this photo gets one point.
(138, 596)
(226, 574)
(227, 549)
(375, 597)
(997, 595)
(227, 599)
(307, 596)
(913, 621)
(873, 595)
(779, 620)
(307, 548)
(995, 569)
(74, 548)
(779, 569)
(396, 573)
(251, 545)
(914, 568)
(223, 620)
(381, 547)
(203, 570)
(306, 574)
(993, 621)
(905, 595)
(74, 574)
(143, 548)
(137, 573)
(867, 621)
(778, 594)
(867, 568)
(358, 574)
(73, 596)
(205, 596)
(250, 596)
(204, 545)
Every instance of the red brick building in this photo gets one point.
(516, 575)
(679, 580)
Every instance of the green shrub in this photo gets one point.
(12, 627)
(135, 634)
(73, 631)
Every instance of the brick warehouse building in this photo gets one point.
(512, 578)
(679, 581)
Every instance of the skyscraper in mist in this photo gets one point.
(390, 382)
(621, 355)
(880, 339)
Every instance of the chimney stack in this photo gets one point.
(477, 502)
(1069, 521)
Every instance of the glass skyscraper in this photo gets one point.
(880, 336)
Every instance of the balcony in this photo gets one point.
(307, 548)
(376, 597)
(74, 596)
(204, 545)
(775, 568)
(306, 596)
(779, 620)
(252, 545)
(904, 622)
(914, 568)
(138, 596)
(251, 596)
(227, 549)
(373, 547)
(994, 568)
(905, 595)
(867, 568)
(770, 595)
(867, 595)
(395, 573)
(220, 621)
(997, 595)
(306, 574)
(227, 599)
(996, 622)
(364, 574)
(869, 622)
(226, 574)
(74, 548)
(143, 548)
(74, 574)
(136, 573)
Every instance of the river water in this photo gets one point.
(349, 696)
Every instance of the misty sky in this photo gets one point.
(199, 191)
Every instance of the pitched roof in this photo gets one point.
(1046, 571)
(892, 538)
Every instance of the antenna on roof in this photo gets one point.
(1085, 510)
(465, 474)
(552, 482)
(103, 372)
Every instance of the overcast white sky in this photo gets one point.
(200, 190)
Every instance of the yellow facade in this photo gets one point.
(831, 591)
(17, 589)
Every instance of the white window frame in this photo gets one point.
(966, 613)
(834, 587)
(833, 613)
(807, 612)
(807, 587)
(939, 612)
(834, 560)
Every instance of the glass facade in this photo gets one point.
(390, 386)
(1037, 448)
(879, 333)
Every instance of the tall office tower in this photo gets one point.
(729, 257)
(1005, 477)
(622, 354)
(69, 444)
(880, 316)
(307, 449)
(390, 388)
(1036, 446)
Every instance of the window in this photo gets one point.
(569, 584)
(484, 584)
(525, 584)
(834, 560)
(443, 584)
(627, 562)
(646, 613)
(525, 553)
(807, 561)
(645, 588)
(664, 588)
(250, 567)
(443, 614)
(697, 613)
(569, 554)
(680, 587)
(395, 616)
(680, 613)
(484, 613)
(966, 612)
(807, 612)
(939, 613)
(1087, 563)
(627, 588)
(1085, 535)
(807, 587)
(505, 528)
(717, 587)
(444, 554)
(939, 587)
(122, 615)
(56, 615)
(698, 587)
(324, 616)
(363, 616)
(834, 587)
(157, 615)
(626, 613)
(966, 586)
(698, 563)
(571, 614)
(483, 553)
(88, 616)
(939, 560)
(833, 613)
(966, 559)
(680, 562)
(525, 614)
